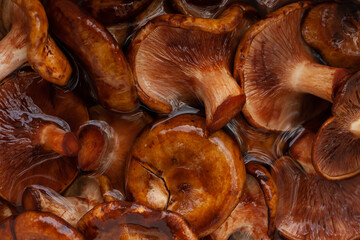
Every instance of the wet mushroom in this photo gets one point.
(31, 141)
(336, 150)
(42, 53)
(178, 165)
(102, 57)
(333, 29)
(114, 11)
(279, 74)
(106, 145)
(200, 8)
(84, 194)
(171, 71)
(249, 220)
(124, 220)
(310, 206)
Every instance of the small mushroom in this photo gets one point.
(84, 194)
(103, 58)
(310, 206)
(200, 8)
(42, 53)
(336, 150)
(106, 143)
(114, 11)
(124, 220)
(171, 71)
(178, 165)
(333, 29)
(37, 225)
(280, 76)
(31, 141)
(249, 220)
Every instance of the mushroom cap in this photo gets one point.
(23, 160)
(124, 220)
(269, 60)
(310, 206)
(249, 218)
(178, 165)
(333, 29)
(178, 59)
(336, 150)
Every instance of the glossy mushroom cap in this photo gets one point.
(336, 150)
(124, 220)
(278, 72)
(310, 206)
(31, 140)
(333, 29)
(171, 71)
(250, 217)
(178, 165)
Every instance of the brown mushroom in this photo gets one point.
(280, 76)
(103, 58)
(171, 71)
(200, 8)
(114, 11)
(336, 150)
(124, 220)
(106, 143)
(178, 165)
(31, 141)
(84, 194)
(310, 206)
(249, 220)
(42, 53)
(333, 29)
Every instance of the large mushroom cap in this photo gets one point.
(179, 166)
(278, 72)
(336, 150)
(310, 206)
(333, 29)
(124, 220)
(31, 141)
(178, 59)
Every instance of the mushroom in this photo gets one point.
(178, 165)
(99, 52)
(124, 220)
(37, 225)
(107, 141)
(310, 206)
(42, 53)
(31, 141)
(84, 194)
(336, 150)
(200, 8)
(249, 220)
(279, 75)
(171, 71)
(113, 11)
(333, 29)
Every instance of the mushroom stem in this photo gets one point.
(56, 139)
(316, 79)
(355, 127)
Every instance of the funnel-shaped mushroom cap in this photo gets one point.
(179, 166)
(249, 218)
(178, 59)
(333, 29)
(200, 8)
(278, 72)
(31, 141)
(336, 150)
(310, 206)
(124, 220)
(43, 226)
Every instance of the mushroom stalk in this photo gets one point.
(316, 79)
(56, 139)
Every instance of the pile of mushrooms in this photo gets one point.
(179, 119)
